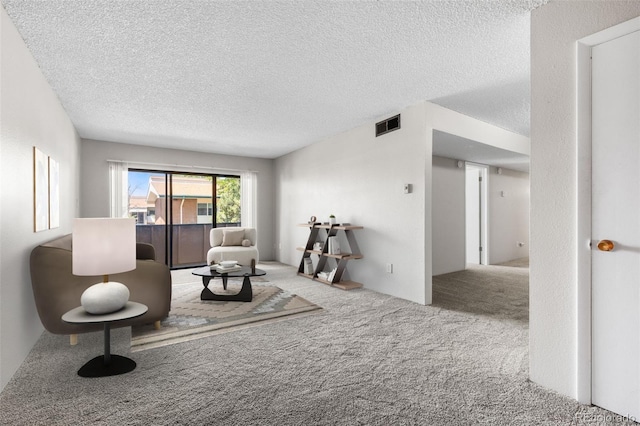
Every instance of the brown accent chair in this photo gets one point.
(56, 290)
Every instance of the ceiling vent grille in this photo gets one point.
(388, 125)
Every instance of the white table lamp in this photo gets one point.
(103, 246)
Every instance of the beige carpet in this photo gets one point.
(191, 318)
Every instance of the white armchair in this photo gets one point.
(233, 243)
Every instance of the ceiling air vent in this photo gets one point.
(388, 125)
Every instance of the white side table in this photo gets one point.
(107, 364)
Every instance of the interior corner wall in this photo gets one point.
(94, 172)
(508, 204)
(31, 115)
(360, 178)
(555, 28)
(448, 213)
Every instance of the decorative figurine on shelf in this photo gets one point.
(312, 220)
(332, 220)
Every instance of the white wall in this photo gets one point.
(448, 215)
(508, 204)
(555, 28)
(448, 121)
(31, 116)
(94, 188)
(360, 179)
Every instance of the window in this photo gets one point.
(176, 211)
(205, 209)
(228, 201)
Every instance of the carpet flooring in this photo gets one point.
(191, 318)
(367, 359)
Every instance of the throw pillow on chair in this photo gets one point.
(232, 237)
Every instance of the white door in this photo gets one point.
(472, 214)
(616, 217)
(476, 214)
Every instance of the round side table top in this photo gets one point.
(80, 316)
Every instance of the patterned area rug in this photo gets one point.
(191, 318)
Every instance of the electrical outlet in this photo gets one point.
(390, 268)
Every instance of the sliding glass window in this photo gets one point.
(176, 211)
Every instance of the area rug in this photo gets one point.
(191, 318)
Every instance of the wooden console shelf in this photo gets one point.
(324, 256)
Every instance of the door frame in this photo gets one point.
(583, 205)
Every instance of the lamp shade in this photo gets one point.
(103, 246)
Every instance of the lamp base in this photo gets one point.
(104, 298)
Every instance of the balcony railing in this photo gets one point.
(190, 242)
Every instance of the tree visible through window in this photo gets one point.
(228, 200)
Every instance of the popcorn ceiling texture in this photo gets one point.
(262, 79)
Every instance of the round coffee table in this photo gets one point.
(107, 364)
(245, 294)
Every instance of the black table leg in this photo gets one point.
(107, 364)
(107, 343)
(205, 282)
(245, 294)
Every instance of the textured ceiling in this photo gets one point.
(262, 79)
